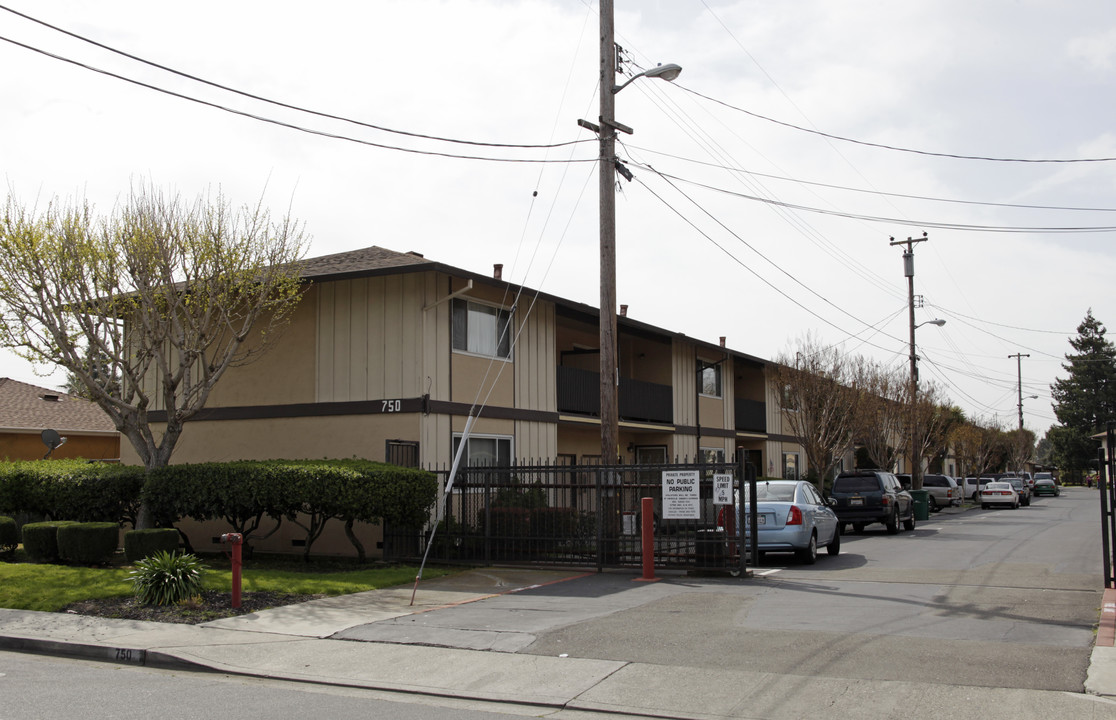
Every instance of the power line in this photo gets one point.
(280, 123)
(895, 148)
(277, 103)
(904, 196)
(899, 221)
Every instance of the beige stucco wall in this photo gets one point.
(338, 436)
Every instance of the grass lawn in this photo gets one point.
(30, 586)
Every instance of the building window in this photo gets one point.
(485, 450)
(709, 375)
(403, 453)
(790, 466)
(481, 329)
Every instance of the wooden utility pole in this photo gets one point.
(908, 271)
(610, 422)
(1019, 370)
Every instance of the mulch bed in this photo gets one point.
(212, 605)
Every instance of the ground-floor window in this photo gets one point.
(485, 449)
(790, 466)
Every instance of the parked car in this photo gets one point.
(1022, 489)
(1046, 486)
(998, 493)
(970, 488)
(943, 490)
(870, 496)
(792, 517)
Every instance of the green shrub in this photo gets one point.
(88, 543)
(139, 544)
(9, 534)
(553, 522)
(167, 578)
(40, 540)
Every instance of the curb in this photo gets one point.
(102, 653)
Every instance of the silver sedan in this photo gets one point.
(793, 517)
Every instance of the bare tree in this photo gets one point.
(818, 398)
(165, 295)
(880, 415)
(1019, 447)
(974, 444)
(929, 424)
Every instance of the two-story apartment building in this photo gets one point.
(389, 353)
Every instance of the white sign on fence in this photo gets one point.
(681, 497)
(722, 489)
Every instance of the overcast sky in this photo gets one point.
(736, 223)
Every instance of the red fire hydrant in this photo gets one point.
(236, 540)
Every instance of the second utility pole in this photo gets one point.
(908, 270)
(1019, 369)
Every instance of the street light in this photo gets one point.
(667, 72)
(606, 133)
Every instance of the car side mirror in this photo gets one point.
(831, 502)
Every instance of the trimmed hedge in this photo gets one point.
(244, 494)
(40, 540)
(309, 493)
(75, 489)
(9, 534)
(91, 543)
(139, 544)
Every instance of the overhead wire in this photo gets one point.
(897, 221)
(270, 101)
(281, 123)
(896, 148)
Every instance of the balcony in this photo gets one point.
(751, 416)
(579, 392)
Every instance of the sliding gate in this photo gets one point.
(586, 516)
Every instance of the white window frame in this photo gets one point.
(503, 337)
(466, 459)
(703, 367)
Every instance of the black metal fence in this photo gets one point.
(1106, 467)
(583, 516)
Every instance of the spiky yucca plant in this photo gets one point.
(167, 578)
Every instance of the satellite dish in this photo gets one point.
(52, 440)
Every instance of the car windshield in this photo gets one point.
(1043, 476)
(780, 492)
(1017, 484)
(998, 486)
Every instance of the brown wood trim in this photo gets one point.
(391, 406)
(705, 431)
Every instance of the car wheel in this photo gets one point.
(809, 554)
(933, 504)
(858, 528)
(909, 523)
(892, 523)
(834, 546)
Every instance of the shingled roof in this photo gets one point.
(359, 262)
(27, 407)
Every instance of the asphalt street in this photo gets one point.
(985, 598)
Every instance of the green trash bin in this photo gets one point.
(921, 504)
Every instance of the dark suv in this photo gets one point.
(870, 496)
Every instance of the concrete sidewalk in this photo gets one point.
(301, 643)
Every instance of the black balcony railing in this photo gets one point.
(579, 391)
(751, 416)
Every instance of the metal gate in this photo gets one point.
(1106, 470)
(583, 516)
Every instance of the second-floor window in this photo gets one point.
(709, 375)
(481, 329)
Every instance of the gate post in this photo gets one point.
(1106, 548)
(647, 538)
